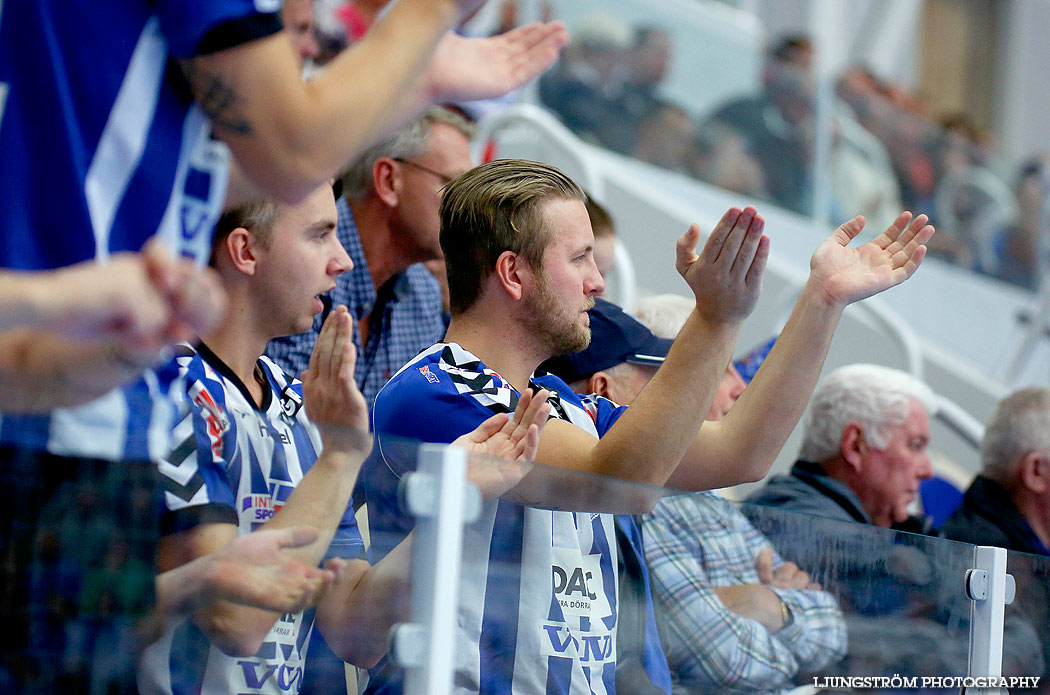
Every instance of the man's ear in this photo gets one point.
(512, 273)
(599, 384)
(853, 447)
(386, 180)
(240, 248)
(1034, 471)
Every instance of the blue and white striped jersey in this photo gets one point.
(101, 148)
(238, 464)
(539, 587)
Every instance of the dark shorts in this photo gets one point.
(77, 542)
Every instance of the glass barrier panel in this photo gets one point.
(729, 96)
(576, 578)
(1030, 611)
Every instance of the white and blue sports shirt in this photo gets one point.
(102, 148)
(234, 463)
(539, 589)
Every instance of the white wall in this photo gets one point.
(1024, 97)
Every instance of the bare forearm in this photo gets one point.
(319, 501)
(359, 609)
(299, 135)
(24, 300)
(755, 602)
(40, 371)
(742, 446)
(650, 439)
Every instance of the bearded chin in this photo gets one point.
(560, 334)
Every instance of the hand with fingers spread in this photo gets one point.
(726, 277)
(844, 275)
(330, 395)
(502, 447)
(463, 69)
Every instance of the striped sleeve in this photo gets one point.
(194, 474)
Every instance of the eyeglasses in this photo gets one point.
(445, 179)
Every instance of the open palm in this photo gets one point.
(464, 68)
(845, 275)
(502, 448)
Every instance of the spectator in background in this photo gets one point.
(585, 87)
(388, 223)
(665, 137)
(647, 63)
(715, 575)
(777, 123)
(721, 156)
(298, 19)
(863, 455)
(712, 570)
(1008, 504)
(1023, 250)
(664, 314)
(863, 451)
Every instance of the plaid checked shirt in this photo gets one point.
(698, 541)
(406, 316)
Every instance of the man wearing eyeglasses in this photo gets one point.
(388, 224)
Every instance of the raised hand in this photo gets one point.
(254, 570)
(330, 394)
(845, 275)
(502, 447)
(463, 69)
(726, 277)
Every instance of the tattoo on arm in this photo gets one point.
(219, 100)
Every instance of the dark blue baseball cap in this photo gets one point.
(616, 337)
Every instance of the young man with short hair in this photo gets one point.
(519, 252)
(388, 224)
(259, 449)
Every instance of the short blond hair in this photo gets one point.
(493, 208)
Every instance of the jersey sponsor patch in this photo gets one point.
(431, 377)
(578, 584)
(217, 422)
(291, 402)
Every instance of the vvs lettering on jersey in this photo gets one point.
(257, 675)
(590, 648)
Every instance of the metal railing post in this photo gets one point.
(991, 589)
(442, 500)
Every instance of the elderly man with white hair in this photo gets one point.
(1008, 504)
(864, 449)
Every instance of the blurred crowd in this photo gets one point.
(887, 150)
